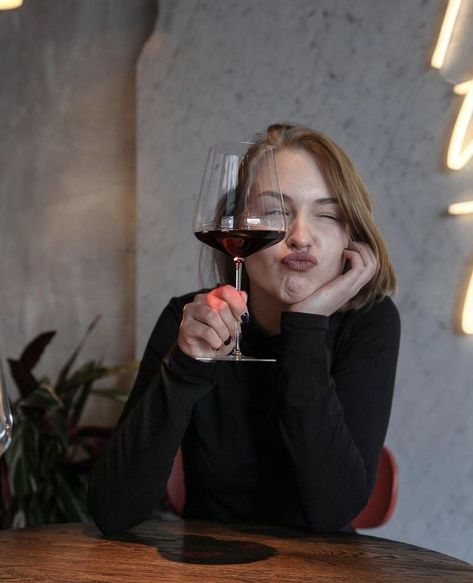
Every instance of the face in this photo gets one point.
(311, 253)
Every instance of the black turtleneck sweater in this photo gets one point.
(294, 442)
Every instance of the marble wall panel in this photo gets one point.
(360, 72)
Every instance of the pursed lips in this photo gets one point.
(299, 261)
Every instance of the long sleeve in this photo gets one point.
(131, 474)
(335, 408)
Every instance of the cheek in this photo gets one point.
(338, 241)
(255, 264)
(260, 264)
(335, 244)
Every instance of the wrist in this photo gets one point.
(307, 308)
(303, 321)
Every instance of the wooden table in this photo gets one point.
(193, 551)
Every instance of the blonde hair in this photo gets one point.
(354, 198)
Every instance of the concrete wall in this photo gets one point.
(358, 71)
(67, 177)
(219, 70)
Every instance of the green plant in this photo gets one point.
(45, 471)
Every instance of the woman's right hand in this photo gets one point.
(211, 321)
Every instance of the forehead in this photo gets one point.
(299, 174)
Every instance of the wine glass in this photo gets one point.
(240, 210)
(6, 419)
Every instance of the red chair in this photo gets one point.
(377, 511)
(382, 501)
(175, 488)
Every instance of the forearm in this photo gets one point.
(331, 475)
(131, 474)
(332, 422)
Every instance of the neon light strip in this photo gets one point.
(9, 4)
(461, 208)
(445, 35)
(458, 155)
(467, 313)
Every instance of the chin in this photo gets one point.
(297, 290)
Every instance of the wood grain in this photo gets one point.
(194, 551)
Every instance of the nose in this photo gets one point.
(298, 234)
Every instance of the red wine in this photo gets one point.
(240, 242)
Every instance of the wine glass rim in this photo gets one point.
(4, 399)
(230, 148)
(232, 143)
(235, 148)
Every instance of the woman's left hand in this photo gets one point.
(336, 293)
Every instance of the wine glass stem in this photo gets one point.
(238, 265)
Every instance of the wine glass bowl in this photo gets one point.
(240, 210)
(6, 419)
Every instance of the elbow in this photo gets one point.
(103, 509)
(101, 515)
(319, 524)
(114, 511)
(108, 519)
(106, 527)
(336, 512)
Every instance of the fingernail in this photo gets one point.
(228, 340)
(245, 318)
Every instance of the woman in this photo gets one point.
(295, 442)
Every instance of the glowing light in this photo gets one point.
(445, 35)
(467, 313)
(458, 154)
(461, 208)
(9, 4)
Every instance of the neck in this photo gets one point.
(266, 310)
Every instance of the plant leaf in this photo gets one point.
(69, 363)
(5, 496)
(20, 469)
(38, 511)
(70, 495)
(23, 378)
(32, 353)
(44, 397)
(52, 452)
(112, 393)
(19, 519)
(78, 388)
(92, 440)
(58, 428)
(90, 371)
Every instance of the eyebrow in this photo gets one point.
(322, 200)
(326, 200)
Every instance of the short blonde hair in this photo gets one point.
(354, 198)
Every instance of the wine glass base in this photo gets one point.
(234, 358)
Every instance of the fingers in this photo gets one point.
(335, 294)
(227, 302)
(363, 265)
(366, 253)
(212, 320)
(236, 301)
(206, 323)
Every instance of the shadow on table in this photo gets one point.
(199, 549)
